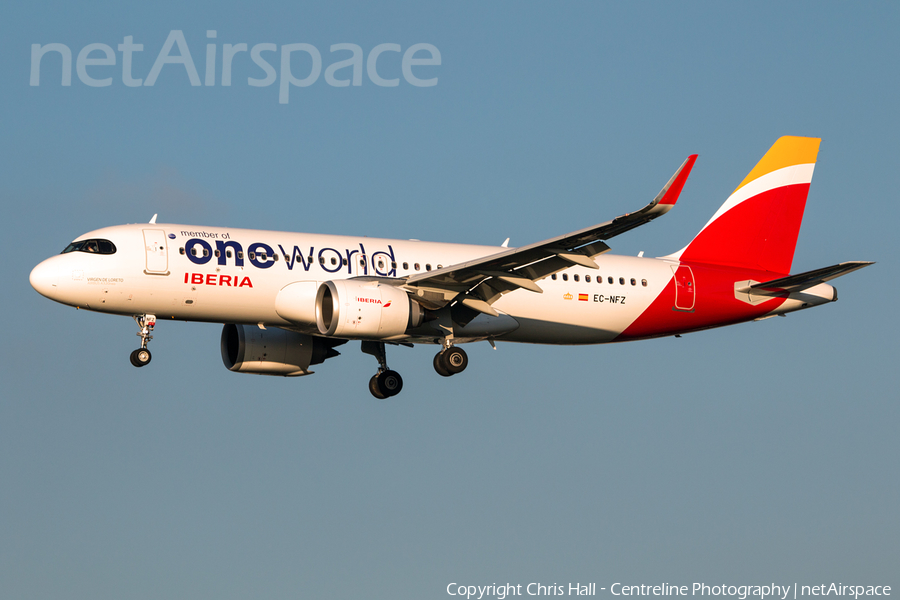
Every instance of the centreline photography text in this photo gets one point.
(739, 591)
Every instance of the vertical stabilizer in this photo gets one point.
(758, 225)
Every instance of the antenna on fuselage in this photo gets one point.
(153, 220)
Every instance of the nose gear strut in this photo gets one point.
(146, 323)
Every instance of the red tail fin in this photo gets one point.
(758, 225)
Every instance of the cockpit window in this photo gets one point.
(91, 247)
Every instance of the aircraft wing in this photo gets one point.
(482, 281)
(802, 281)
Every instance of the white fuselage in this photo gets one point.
(197, 274)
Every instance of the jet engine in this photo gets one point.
(296, 302)
(360, 309)
(249, 349)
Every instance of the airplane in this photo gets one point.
(287, 300)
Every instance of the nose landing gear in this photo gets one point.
(142, 356)
(385, 383)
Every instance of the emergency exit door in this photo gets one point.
(360, 265)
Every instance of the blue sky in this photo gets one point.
(760, 453)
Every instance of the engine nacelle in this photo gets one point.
(296, 302)
(357, 309)
(249, 349)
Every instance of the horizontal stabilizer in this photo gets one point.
(802, 281)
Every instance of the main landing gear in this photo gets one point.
(385, 383)
(450, 361)
(142, 356)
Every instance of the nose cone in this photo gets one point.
(45, 278)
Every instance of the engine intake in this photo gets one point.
(248, 349)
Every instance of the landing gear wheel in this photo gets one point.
(140, 357)
(439, 365)
(386, 384)
(373, 387)
(390, 383)
(454, 360)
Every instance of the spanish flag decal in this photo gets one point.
(582, 297)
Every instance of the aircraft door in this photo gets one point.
(360, 266)
(156, 251)
(685, 290)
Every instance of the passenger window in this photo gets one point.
(205, 253)
(362, 262)
(575, 277)
(275, 257)
(194, 251)
(610, 279)
(587, 278)
(644, 282)
(406, 266)
(321, 260)
(621, 281)
(181, 251)
(427, 267)
(333, 261)
(216, 253)
(633, 281)
(416, 266)
(393, 265)
(344, 261)
(252, 255)
(565, 276)
(440, 267)
(553, 277)
(240, 254)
